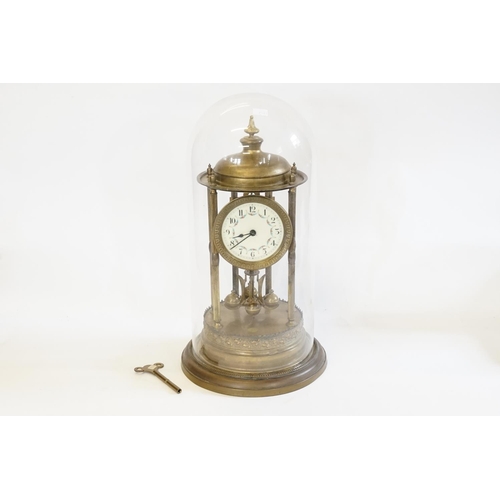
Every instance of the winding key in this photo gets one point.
(154, 370)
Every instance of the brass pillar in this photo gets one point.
(292, 206)
(236, 272)
(269, 270)
(214, 258)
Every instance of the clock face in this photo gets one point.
(252, 232)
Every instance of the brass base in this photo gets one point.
(251, 384)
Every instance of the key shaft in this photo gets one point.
(162, 377)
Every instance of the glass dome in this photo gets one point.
(252, 304)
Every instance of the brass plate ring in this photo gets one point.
(261, 264)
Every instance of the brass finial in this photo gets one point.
(210, 174)
(251, 142)
(251, 129)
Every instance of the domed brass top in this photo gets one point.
(252, 169)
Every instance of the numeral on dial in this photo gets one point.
(263, 250)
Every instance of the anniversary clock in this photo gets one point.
(254, 339)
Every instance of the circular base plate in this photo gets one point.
(254, 384)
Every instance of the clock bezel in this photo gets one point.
(257, 264)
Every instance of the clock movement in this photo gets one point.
(254, 339)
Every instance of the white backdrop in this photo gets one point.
(407, 292)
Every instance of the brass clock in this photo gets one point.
(253, 342)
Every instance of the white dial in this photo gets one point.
(253, 229)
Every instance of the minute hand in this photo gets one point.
(251, 233)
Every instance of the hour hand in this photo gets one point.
(251, 233)
(246, 236)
